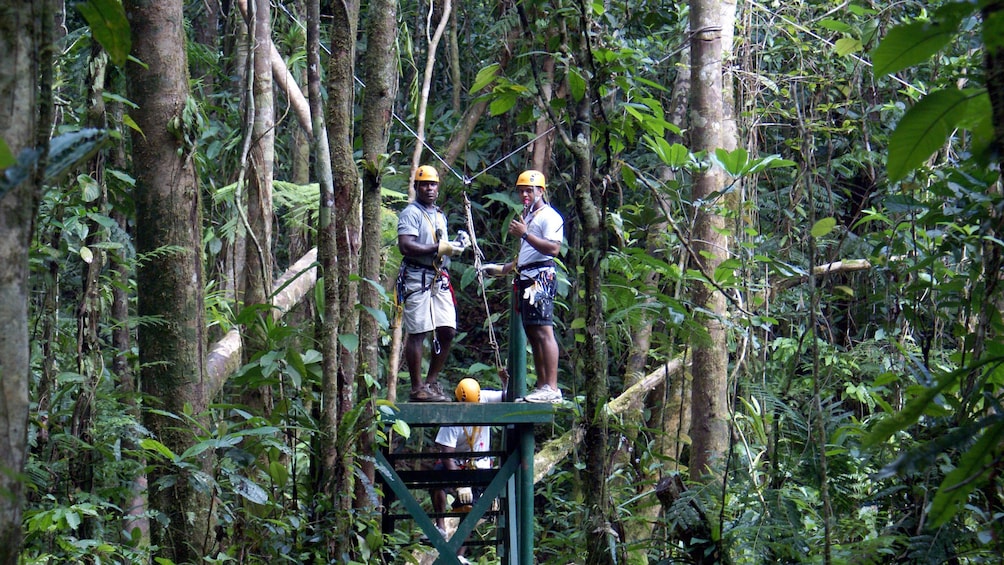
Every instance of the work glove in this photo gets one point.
(530, 293)
(492, 269)
(465, 496)
(449, 248)
(463, 240)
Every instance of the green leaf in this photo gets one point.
(249, 489)
(6, 157)
(485, 77)
(835, 25)
(131, 124)
(502, 104)
(823, 227)
(72, 519)
(576, 84)
(975, 465)
(847, 45)
(349, 341)
(90, 188)
(924, 129)
(154, 445)
(109, 27)
(672, 155)
(299, 368)
(911, 44)
(734, 162)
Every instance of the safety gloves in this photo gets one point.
(464, 495)
(493, 269)
(455, 247)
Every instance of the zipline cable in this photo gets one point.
(463, 178)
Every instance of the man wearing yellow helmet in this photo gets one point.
(541, 231)
(423, 285)
(458, 440)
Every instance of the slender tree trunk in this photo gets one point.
(326, 246)
(709, 429)
(592, 351)
(423, 101)
(345, 178)
(170, 284)
(380, 78)
(23, 35)
(258, 264)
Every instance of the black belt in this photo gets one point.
(417, 265)
(537, 265)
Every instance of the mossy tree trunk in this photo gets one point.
(22, 36)
(170, 277)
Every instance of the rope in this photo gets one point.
(478, 256)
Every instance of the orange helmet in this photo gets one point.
(468, 390)
(425, 173)
(531, 178)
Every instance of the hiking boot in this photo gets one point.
(437, 388)
(424, 394)
(542, 395)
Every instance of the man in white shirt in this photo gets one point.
(541, 231)
(454, 442)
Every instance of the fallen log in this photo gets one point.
(554, 451)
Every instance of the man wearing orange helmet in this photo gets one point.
(541, 231)
(456, 441)
(423, 285)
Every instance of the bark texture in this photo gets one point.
(21, 38)
(343, 233)
(709, 430)
(170, 276)
(380, 78)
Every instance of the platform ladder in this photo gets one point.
(510, 481)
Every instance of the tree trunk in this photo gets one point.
(341, 290)
(380, 78)
(22, 36)
(709, 429)
(170, 283)
(258, 264)
(592, 352)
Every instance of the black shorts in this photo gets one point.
(541, 312)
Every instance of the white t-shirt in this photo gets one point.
(543, 222)
(464, 439)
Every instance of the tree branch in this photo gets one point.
(225, 355)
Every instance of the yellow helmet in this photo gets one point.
(425, 173)
(532, 178)
(468, 390)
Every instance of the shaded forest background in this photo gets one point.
(779, 309)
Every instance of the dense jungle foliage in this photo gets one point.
(863, 208)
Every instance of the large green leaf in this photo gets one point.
(484, 77)
(924, 129)
(974, 467)
(913, 43)
(109, 27)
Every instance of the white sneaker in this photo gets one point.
(463, 560)
(425, 539)
(543, 395)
